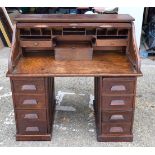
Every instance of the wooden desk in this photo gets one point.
(99, 46)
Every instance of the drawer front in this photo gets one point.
(36, 43)
(73, 53)
(31, 115)
(31, 128)
(29, 101)
(29, 85)
(118, 102)
(118, 86)
(117, 116)
(116, 128)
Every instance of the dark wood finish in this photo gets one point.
(114, 110)
(33, 85)
(118, 86)
(116, 128)
(117, 116)
(32, 127)
(29, 101)
(34, 107)
(31, 115)
(74, 18)
(117, 102)
(46, 46)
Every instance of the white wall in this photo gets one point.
(137, 13)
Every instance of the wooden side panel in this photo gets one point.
(134, 55)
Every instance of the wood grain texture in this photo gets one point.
(103, 64)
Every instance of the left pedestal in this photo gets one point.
(34, 107)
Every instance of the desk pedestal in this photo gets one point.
(34, 107)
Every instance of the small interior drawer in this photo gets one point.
(32, 127)
(117, 116)
(29, 85)
(116, 128)
(36, 43)
(119, 85)
(31, 115)
(29, 101)
(118, 102)
(73, 51)
(111, 42)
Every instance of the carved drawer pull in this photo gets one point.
(117, 102)
(118, 88)
(28, 87)
(117, 117)
(31, 116)
(30, 102)
(36, 129)
(116, 129)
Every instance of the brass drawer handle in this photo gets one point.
(31, 116)
(28, 87)
(32, 129)
(118, 88)
(30, 102)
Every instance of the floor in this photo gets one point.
(74, 119)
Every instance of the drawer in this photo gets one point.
(29, 101)
(117, 116)
(31, 115)
(32, 127)
(36, 43)
(118, 102)
(29, 85)
(118, 85)
(116, 128)
(76, 51)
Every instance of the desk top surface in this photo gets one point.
(108, 64)
(69, 18)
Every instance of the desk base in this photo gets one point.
(33, 137)
(116, 138)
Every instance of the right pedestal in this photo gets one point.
(114, 108)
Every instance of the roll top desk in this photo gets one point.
(99, 46)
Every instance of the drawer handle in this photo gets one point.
(116, 129)
(117, 102)
(118, 88)
(36, 44)
(30, 102)
(29, 129)
(31, 116)
(117, 117)
(28, 87)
